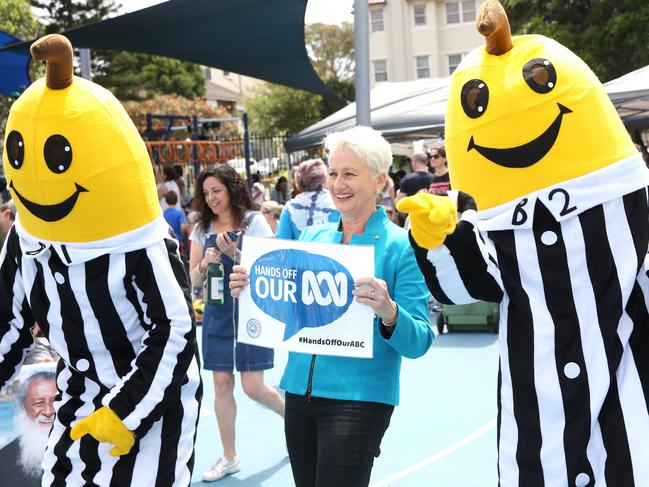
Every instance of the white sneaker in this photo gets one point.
(222, 468)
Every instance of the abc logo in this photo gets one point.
(300, 289)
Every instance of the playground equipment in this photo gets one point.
(196, 151)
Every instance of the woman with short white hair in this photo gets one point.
(338, 408)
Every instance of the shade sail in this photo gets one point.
(630, 95)
(263, 39)
(409, 108)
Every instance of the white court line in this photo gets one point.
(206, 412)
(437, 456)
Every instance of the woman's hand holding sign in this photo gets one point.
(239, 279)
(374, 293)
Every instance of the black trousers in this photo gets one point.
(333, 443)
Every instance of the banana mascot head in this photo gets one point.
(76, 165)
(525, 113)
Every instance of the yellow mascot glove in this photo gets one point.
(432, 218)
(105, 426)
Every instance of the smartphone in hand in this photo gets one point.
(233, 236)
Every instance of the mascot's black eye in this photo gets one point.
(15, 148)
(475, 97)
(540, 75)
(58, 153)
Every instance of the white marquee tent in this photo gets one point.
(411, 109)
(630, 95)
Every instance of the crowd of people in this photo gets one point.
(290, 208)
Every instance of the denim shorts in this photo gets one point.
(221, 350)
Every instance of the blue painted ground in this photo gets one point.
(442, 434)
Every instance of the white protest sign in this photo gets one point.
(300, 297)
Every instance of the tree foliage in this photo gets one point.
(276, 108)
(17, 19)
(610, 35)
(136, 76)
(176, 105)
(331, 50)
(59, 15)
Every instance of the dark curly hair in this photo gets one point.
(240, 200)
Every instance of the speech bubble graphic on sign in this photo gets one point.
(286, 281)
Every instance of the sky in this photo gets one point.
(324, 11)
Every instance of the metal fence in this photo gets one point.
(267, 152)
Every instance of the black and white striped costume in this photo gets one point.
(118, 312)
(567, 264)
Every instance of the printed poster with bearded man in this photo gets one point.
(26, 418)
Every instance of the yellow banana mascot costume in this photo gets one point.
(559, 241)
(91, 261)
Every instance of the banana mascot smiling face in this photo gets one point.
(76, 166)
(527, 118)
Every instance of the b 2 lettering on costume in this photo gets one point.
(520, 215)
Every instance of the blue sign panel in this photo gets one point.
(300, 289)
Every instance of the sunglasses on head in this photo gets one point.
(434, 156)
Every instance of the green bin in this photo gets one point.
(479, 316)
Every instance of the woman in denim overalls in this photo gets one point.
(225, 205)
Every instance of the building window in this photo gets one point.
(468, 11)
(208, 73)
(453, 62)
(419, 12)
(380, 70)
(423, 66)
(458, 12)
(376, 20)
(226, 73)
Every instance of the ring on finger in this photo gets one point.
(372, 295)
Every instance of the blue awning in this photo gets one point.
(14, 67)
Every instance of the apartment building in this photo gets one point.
(414, 39)
(224, 88)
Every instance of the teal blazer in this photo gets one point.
(376, 379)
